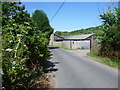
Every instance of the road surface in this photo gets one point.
(73, 71)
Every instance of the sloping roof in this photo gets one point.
(85, 36)
(58, 37)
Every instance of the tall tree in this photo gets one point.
(42, 21)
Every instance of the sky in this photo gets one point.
(73, 15)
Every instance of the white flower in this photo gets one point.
(3, 88)
(14, 24)
(8, 49)
(13, 67)
(24, 45)
(14, 62)
(15, 50)
(10, 41)
(19, 35)
(1, 71)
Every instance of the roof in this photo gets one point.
(58, 37)
(85, 36)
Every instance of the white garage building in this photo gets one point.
(73, 42)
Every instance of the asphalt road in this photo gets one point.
(73, 71)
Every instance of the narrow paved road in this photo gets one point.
(73, 71)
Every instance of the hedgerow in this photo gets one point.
(24, 48)
(110, 41)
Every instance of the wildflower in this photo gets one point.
(24, 45)
(19, 35)
(8, 49)
(14, 62)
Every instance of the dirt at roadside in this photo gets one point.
(45, 83)
(50, 81)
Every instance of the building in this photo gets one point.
(72, 42)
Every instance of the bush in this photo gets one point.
(110, 41)
(82, 47)
(24, 48)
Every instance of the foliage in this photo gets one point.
(110, 41)
(24, 48)
(113, 62)
(41, 19)
(82, 47)
(97, 30)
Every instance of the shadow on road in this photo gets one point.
(52, 47)
(51, 66)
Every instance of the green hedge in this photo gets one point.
(24, 48)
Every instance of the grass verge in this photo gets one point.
(62, 47)
(113, 62)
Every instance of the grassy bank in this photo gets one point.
(113, 62)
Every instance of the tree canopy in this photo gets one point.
(42, 21)
(110, 41)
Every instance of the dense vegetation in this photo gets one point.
(109, 52)
(110, 41)
(97, 30)
(24, 47)
(41, 19)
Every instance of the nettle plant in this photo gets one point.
(24, 48)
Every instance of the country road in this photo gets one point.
(73, 71)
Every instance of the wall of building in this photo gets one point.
(81, 44)
(58, 43)
(73, 44)
(95, 46)
(66, 44)
(51, 39)
(70, 44)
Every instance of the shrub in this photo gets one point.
(24, 48)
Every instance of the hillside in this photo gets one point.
(97, 30)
